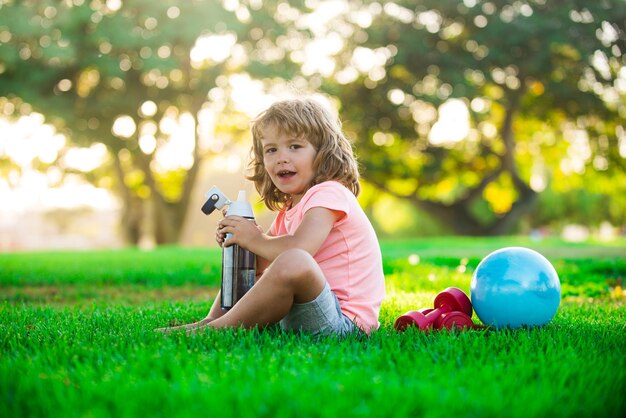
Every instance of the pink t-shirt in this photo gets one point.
(350, 256)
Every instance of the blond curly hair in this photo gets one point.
(309, 119)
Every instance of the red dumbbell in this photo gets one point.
(451, 299)
(454, 319)
(408, 318)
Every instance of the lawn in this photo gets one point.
(76, 341)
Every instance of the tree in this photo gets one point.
(531, 80)
(532, 75)
(120, 73)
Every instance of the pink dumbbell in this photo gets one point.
(450, 300)
(454, 319)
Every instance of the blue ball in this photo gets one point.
(514, 287)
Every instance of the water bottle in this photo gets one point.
(238, 264)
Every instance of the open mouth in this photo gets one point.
(286, 174)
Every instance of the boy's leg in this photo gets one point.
(214, 313)
(293, 277)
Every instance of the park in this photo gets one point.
(477, 125)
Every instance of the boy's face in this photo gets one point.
(288, 161)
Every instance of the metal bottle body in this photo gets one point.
(238, 273)
(238, 264)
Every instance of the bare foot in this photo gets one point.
(188, 327)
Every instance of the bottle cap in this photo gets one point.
(215, 200)
(241, 207)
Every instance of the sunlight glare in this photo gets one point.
(147, 144)
(364, 59)
(177, 152)
(114, 5)
(248, 95)
(371, 61)
(124, 126)
(347, 75)
(621, 138)
(403, 14)
(168, 124)
(578, 153)
(323, 13)
(206, 128)
(215, 48)
(538, 180)
(86, 159)
(362, 18)
(431, 20)
(607, 34)
(601, 63)
(48, 151)
(148, 108)
(29, 138)
(452, 125)
(228, 163)
(318, 55)
(76, 193)
(396, 96)
(479, 105)
(33, 193)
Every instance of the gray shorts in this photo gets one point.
(321, 316)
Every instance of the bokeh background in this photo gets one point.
(468, 117)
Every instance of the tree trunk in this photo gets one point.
(156, 219)
(169, 217)
(132, 207)
(458, 216)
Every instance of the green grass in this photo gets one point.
(76, 341)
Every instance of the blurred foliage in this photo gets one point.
(88, 66)
(540, 88)
(543, 86)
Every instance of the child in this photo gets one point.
(320, 264)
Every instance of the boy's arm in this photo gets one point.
(261, 265)
(216, 310)
(310, 235)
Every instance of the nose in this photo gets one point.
(282, 157)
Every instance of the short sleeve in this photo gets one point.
(330, 195)
(275, 229)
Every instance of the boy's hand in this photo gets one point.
(219, 235)
(243, 231)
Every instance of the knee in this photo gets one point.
(293, 265)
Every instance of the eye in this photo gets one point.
(295, 146)
(269, 150)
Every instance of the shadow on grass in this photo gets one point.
(89, 294)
